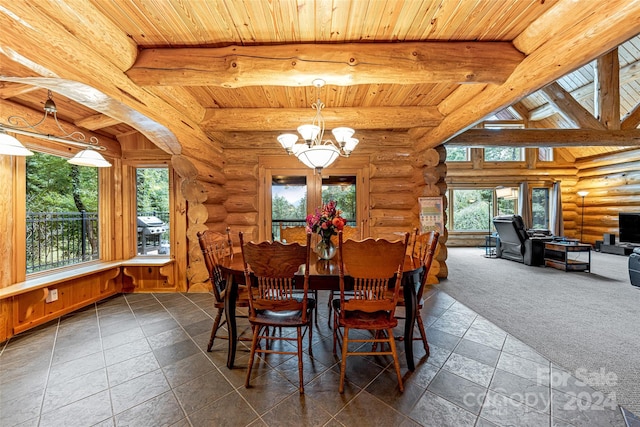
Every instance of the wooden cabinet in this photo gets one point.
(567, 256)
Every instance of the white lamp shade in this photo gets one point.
(91, 158)
(582, 193)
(287, 140)
(342, 134)
(309, 132)
(503, 192)
(12, 147)
(350, 144)
(318, 156)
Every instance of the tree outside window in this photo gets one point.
(540, 208)
(472, 210)
(457, 154)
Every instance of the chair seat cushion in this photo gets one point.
(279, 318)
(364, 320)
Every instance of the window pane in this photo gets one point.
(288, 202)
(545, 154)
(457, 154)
(503, 154)
(507, 206)
(540, 207)
(152, 198)
(62, 213)
(342, 189)
(472, 210)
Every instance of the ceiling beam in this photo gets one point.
(337, 64)
(607, 90)
(632, 119)
(546, 138)
(10, 90)
(96, 121)
(585, 35)
(281, 119)
(628, 73)
(569, 108)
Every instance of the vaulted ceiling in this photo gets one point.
(192, 74)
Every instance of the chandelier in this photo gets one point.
(9, 145)
(315, 151)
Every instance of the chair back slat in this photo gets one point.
(215, 247)
(376, 266)
(297, 234)
(427, 244)
(270, 270)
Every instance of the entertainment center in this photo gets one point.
(629, 228)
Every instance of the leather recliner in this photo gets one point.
(515, 243)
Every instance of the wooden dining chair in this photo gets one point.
(375, 266)
(270, 270)
(296, 234)
(424, 249)
(348, 233)
(215, 247)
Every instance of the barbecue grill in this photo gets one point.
(150, 228)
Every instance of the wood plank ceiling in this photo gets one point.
(189, 73)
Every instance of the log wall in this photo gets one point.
(613, 183)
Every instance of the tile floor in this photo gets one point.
(141, 360)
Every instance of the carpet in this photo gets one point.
(580, 321)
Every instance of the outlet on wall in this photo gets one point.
(52, 296)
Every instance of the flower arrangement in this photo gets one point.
(326, 221)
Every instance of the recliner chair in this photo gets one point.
(515, 243)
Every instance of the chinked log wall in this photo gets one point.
(397, 178)
(613, 183)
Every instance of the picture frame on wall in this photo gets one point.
(431, 214)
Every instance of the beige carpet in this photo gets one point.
(586, 321)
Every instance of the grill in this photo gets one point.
(150, 228)
(151, 225)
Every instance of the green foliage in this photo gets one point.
(503, 154)
(50, 185)
(472, 209)
(345, 197)
(281, 208)
(457, 154)
(152, 190)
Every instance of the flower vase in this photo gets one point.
(325, 248)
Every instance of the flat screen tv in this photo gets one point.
(629, 224)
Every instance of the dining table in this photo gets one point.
(323, 275)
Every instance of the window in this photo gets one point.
(503, 154)
(61, 213)
(457, 154)
(507, 206)
(472, 210)
(152, 210)
(342, 189)
(540, 208)
(545, 154)
(288, 202)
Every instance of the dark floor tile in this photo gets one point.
(166, 338)
(76, 350)
(199, 327)
(470, 369)
(64, 393)
(129, 369)
(267, 390)
(522, 390)
(360, 408)
(229, 411)
(202, 391)
(432, 410)
(297, 410)
(67, 371)
(187, 369)
(86, 412)
(133, 392)
(324, 390)
(479, 352)
(127, 335)
(580, 410)
(162, 410)
(501, 410)
(20, 409)
(631, 419)
(442, 339)
(175, 352)
(159, 326)
(458, 390)
(385, 387)
(126, 351)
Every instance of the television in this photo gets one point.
(629, 227)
